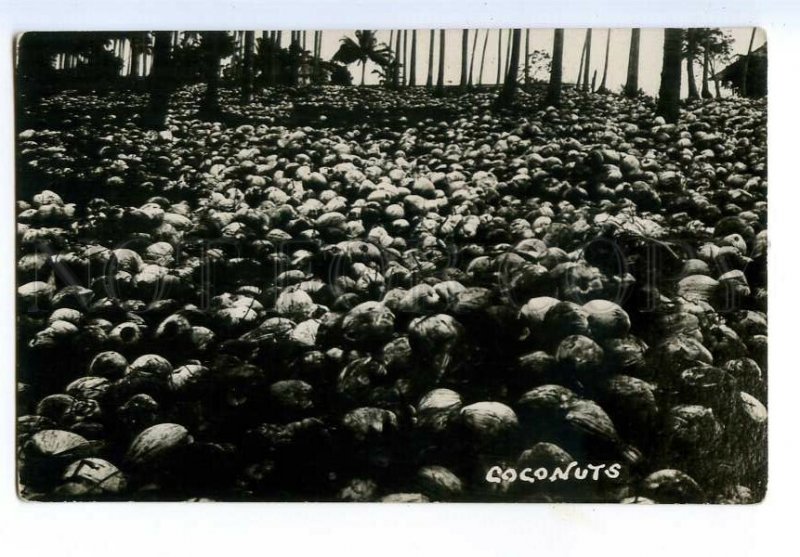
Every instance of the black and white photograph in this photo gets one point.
(492, 265)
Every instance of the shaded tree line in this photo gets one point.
(95, 60)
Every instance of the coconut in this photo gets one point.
(692, 429)
(157, 443)
(405, 498)
(607, 319)
(358, 490)
(296, 305)
(359, 378)
(108, 364)
(438, 409)
(489, 423)
(438, 483)
(368, 323)
(544, 455)
(564, 319)
(187, 377)
(35, 295)
(535, 309)
(580, 354)
(150, 364)
(94, 476)
(367, 423)
(88, 387)
(697, 288)
(672, 486)
(292, 396)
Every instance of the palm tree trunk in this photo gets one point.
(398, 60)
(159, 81)
(267, 47)
(669, 93)
(507, 66)
(131, 58)
(499, 55)
(705, 93)
(472, 58)
(580, 66)
(483, 55)
(363, 71)
(304, 40)
(506, 97)
(717, 92)
(405, 56)
(605, 64)
(553, 97)
(527, 70)
(247, 67)
(632, 82)
(691, 54)
(315, 58)
(209, 105)
(274, 70)
(464, 54)
(746, 63)
(429, 78)
(440, 76)
(588, 59)
(412, 69)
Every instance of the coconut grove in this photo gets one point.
(386, 265)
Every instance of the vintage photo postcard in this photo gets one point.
(492, 265)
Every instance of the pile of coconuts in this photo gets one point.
(413, 303)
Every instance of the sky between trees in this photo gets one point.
(651, 51)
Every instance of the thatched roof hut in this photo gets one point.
(732, 75)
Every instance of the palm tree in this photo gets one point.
(404, 63)
(159, 81)
(215, 45)
(746, 63)
(362, 50)
(506, 96)
(315, 56)
(506, 66)
(580, 66)
(140, 46)
(499, 55)
(247, 67)
(669, 93)
(440, 76)
(429, 79)
(705, 92)
(483, 55)
(472, 58)
(588, 59)
(553, 97)
(691, 55)
(398, 58)
(605, 64)
(272, 41)
(412, 70)
(632, 82)
(527, 54)
(464, 53)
